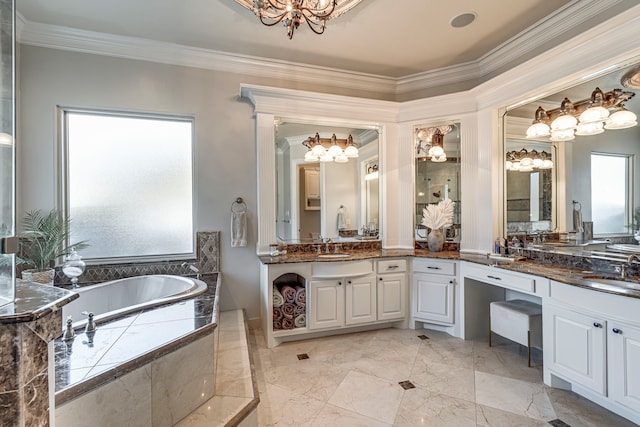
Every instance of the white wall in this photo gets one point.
(224, 147)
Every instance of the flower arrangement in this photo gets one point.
(438, 216)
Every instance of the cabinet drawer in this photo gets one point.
(500, 278)
(434, 266)
(392, 266)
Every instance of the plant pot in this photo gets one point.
(435, 240)
(43, 277)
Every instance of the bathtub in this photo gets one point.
(117, 298)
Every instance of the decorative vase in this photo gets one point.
(43, 277)
(435, 240)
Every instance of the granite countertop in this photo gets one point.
(34, 301)
(593, 280)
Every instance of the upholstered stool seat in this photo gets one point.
(517, 320)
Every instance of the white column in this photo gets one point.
(266, 163)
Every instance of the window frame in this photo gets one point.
(62, 170)
(629, 196)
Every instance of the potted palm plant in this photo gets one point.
(45, 237)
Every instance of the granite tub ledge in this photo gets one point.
(34, 301)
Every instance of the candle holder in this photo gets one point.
(74, 267)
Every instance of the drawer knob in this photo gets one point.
(616, 331)
(391, 267)
(381, 279)
(349, 281)
(433, 268)
(597, 325)
(340, 283)
(451, 282)
(495, 277)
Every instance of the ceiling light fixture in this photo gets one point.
(292, 13)
(331, 149)
(527, 161)
(586, 117)
(430, 142)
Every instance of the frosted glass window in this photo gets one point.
(129, 186)
(610, 195)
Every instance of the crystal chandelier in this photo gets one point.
(292, 13)
(330, 149)
(586, 117)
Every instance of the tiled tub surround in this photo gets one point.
(207, 261)
(162, 359)
(27, 328)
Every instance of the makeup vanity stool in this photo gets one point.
(517, 320)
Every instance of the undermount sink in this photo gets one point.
(330, 256)
(609, 280)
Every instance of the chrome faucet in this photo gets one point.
(633, 257)
(192, 268)
(327, 241)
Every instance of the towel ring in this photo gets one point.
(238, 205)
(577, 203)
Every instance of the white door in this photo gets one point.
(434, 297)
(326, 304)
(360, 300)
(624, 364)
(392, 296)
(577, 347)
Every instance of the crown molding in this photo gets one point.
(57, 37)
(595, 52)
(64, 38)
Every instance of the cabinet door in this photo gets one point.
(434, 298)
(578, 350)
(312, 183)
(326, 304)
(392, 296)
(624, 364)
(360, 300)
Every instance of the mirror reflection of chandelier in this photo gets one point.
(586, 117)
(292, 13)
(331, 149)
(430, 142)
(527, 161)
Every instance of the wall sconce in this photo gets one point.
(430, 142)
(585, 117)
(330, 149)
(527, 161)
(372, 172)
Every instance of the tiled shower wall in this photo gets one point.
(207, 261)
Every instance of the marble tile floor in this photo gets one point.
(353, 380)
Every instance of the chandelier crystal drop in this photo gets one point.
(293, 13)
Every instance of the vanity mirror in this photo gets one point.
(596, 159)
(321, 195)
(437, 174)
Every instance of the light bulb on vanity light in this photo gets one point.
(621, 119)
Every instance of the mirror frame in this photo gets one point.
(514, 129)
(367, 152)
(312, 108)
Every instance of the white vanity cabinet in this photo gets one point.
(326, 305)
(623, 367)
(592, 341)
(578, 346)
(392, 289)
(344, 301)
(433, 293)
(340, 295)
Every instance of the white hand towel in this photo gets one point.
(238, 229)
(342, 221)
